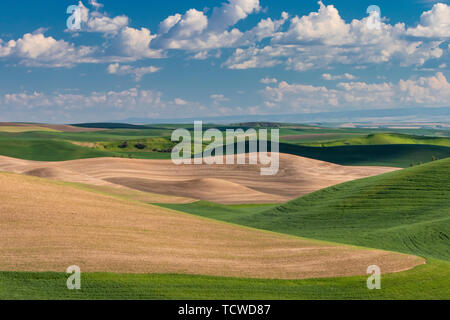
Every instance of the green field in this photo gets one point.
(229, 213)
(382, 139)
(383, 149)
(406, 211)
(401, 156)
(48, 150)
(431, 281)
(386, 155)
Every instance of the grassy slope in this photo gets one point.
(96, 136)
(315, 140)
(56, 146)
(51, 146)
(386, 138)
(47, 150)
(389, 155)
(431, 281)
(229, 213)
(372, 155)
(406, 211)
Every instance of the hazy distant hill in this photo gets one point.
(390, 115)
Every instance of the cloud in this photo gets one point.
(325, 26)
(107, 25)
(323, 38)
(135, 43)
(268, 80)
(218, 98)
(117, 100)
(254, 57)
(266, 28)
(6, 48)
(138, 73)
(73, 107)
(231, 13)
(39, 50)
(202, 55)
(180, 102)
(95, 21)
(95, 4)
(194, 31)
(433, 23)
(329, 77)
(433, 91)
(192, 23)
(123, 43)
(169, 23)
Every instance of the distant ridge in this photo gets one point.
(419, 114)
(108, 125)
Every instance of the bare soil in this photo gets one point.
(226, 184)
(48, 225)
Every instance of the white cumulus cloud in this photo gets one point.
(138, 72)
(433, 91)
(329, 77)
(433, 23)
(38, 50)
(323, 38)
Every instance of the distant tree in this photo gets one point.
(140, 146)
(123, 145)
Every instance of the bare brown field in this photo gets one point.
(11, 129)
(57, 127)
(136, 195)
(49, 225)
(226, 184)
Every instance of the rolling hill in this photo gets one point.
(101, 233)
(401, 156)
(351, 147)
(220, 183)
(383, 139)
(406, 211)
(48, 150)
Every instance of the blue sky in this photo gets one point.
(178, 59)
